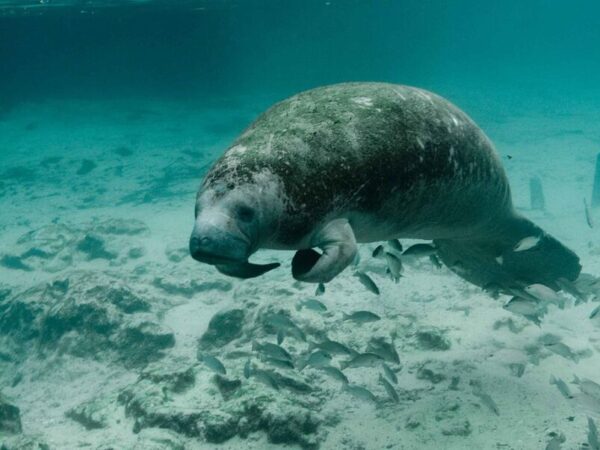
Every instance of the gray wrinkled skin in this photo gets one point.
(364, 162)
(395, 160)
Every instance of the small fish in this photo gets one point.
(265, 377)
(384, 349)
(356, 260)
(389, 389)
(212, 363)
(588, 214)
(361, 360)
(562, 350)
(527, 243)
(419, 250)
(281, 363)
(319, 358)
(389, 373)
(595, 312)
(556, 442)
(588, 387)
(517, 369)
(247, 369)
(286, 325)
(394, 265)
(362, 317)
(331, 347)
(334, 372)
(312, 304)
(435, 261)
(360, 392)
(272, 350)
(561, 386)
(378, 252)
(395, 245)
(523, 306)
(492, 289)
(280, 337)
(544, 294)
(488, 401)
(593, 435)
(569, 286)
(367, 282)
(320, 289)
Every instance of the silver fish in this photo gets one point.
(265, 377)
(356, 260)
(523, 306)
(419, 250)
(362, 317)
(561, 386)
(588, 387)
(595, 312)
(394, 265)
(395, 245)
(569, 286)
(367, 282)
(272, 350)
(435, 261)
(331, 347)
(593, 435)
(280, 337)
(281, 363)
(486, 399)
(378, 252)
(312, 304)
(247, 369)
(284, 324)
(384, 349)
(556, 442)
(361, 360)
(517, 369)
(389, 373)
(527, 243)
(320, 289)
(317, 358)
(360, 392)
(334, 372)
(562, 350)
(545, 294)
(588, 214)
(389, 389)
(212, 363)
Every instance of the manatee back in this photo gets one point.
(371, 148)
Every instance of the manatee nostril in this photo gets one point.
(198, 245)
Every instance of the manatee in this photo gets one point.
(362, 162)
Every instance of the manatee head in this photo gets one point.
(232, 222)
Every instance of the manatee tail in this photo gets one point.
(493, 261)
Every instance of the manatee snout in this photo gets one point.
(217, 246)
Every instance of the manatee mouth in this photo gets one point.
(213, 259)
(214, 251)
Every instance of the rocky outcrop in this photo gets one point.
(10, 417)
(86, 315)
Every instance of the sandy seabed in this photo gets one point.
(102, 312)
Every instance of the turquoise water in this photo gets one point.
(113, 337)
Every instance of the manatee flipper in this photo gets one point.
(493, 261)
(245, 269)
(338, 243)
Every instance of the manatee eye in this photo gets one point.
(245, 213)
